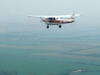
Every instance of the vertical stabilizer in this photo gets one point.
(73, 15)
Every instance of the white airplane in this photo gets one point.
(57, 20)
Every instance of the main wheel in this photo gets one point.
(59, 26)
(47, 27)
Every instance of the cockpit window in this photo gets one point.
(51, 18)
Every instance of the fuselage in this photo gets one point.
(53, 21)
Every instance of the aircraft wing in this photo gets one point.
(61, 16)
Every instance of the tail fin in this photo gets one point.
(74, 14)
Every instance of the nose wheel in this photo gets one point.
(59, 26)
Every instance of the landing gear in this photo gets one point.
(47, 26)
(59, 26)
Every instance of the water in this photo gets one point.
(28, 60)
(49, 53)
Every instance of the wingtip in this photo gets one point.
(28, 15)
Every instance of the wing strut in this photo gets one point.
(42, 19)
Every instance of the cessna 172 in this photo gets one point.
(57, 20)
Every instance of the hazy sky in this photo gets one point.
(15, 11)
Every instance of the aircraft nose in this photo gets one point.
(73, 21)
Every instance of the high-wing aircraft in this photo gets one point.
(57, 20)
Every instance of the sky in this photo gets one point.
(15, 11)
(48, 7)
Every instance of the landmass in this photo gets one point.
(8, 73)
